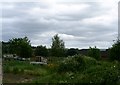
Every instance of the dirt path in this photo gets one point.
(17, 78)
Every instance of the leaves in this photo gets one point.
(57, 47)
(41, 51)
(21, 47)
(94, 52)
(114, 52)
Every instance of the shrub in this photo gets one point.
(100, 74)
(94, 52)
(76, 63)
(89, 61)
(114, 52)
(69, 64)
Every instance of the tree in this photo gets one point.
(72, 51)
(58, 47)
(21, 47)
(6, 48)
(114, 51)
(94, 52)
(41, 51)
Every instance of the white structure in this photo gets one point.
(39, 60)
(38, 63)
(8, 55)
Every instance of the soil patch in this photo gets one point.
(17, 78)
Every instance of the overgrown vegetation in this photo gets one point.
(94, 52)
(41, 51)
(114, 53)
(95, 72)
(57, 47)
(73, 69)
(21, 47)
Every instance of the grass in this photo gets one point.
(95, 72)
(15, 67)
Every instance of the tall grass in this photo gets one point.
(75, 69)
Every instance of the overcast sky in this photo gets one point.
(79, 24)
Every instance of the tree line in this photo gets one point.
(22, 47)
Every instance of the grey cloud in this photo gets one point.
(17, 22)
(93, 10)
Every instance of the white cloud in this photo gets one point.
(48, 34)
(6, 5)
(70, 37)
(69, 9)
(78, 24)
(99, 20)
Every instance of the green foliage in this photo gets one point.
(15, 70)
(104, 73)
(89, 61)
(100, 74)
(6, 69)
(76, 69)
(21, 47)
(94, 52)
(76, 63)
(114, 52)
(72, 51)
(6, 48)
(24, 67)
(58, 47)
(41, 51)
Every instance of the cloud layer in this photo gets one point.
(80, 24)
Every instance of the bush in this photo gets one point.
(114, 52)
(100, 74)
(89, 61)
(94, 52)
(76, 63)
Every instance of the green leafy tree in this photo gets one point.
(72, 51)
(58, 47)
(41, 51)
(21, 47)
(114, 51)
(6, 48)
(94, 52)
